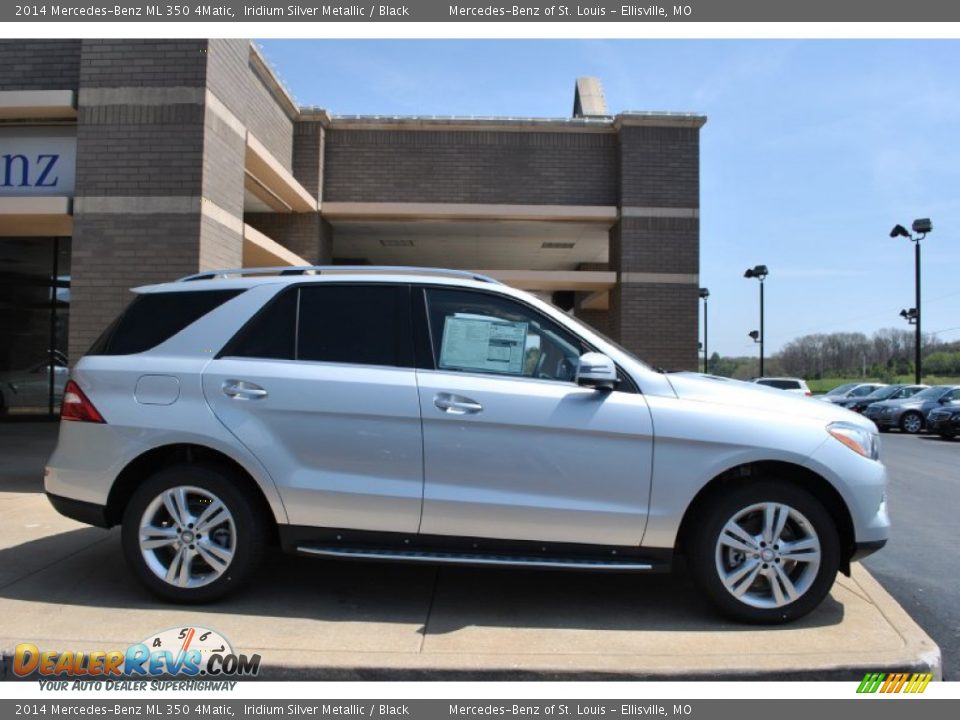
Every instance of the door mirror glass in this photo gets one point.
(596, 370)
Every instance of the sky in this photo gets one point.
(812, 151)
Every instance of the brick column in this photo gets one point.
(140, 130)
(655, 245)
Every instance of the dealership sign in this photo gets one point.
(37, 162)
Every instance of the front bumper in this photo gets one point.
(948, 424)
(865, 549)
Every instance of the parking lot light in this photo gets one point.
(704, 294)
(920, 227)
(759, 272)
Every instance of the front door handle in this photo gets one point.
(243, 390)
(456, 404)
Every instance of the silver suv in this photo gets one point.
(439, 416)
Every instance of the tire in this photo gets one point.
(225, 549)
(911, 423)
(947, 435)
(761, 595)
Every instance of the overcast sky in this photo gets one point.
(812, 151)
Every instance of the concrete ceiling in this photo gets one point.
(491, 245)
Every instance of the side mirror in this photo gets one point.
(596, 370)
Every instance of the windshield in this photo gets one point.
(930, 393)
(582, 325)
(842, 389)
(885, 392)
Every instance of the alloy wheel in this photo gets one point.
(768, 555)
(187, 536)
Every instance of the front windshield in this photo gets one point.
(931, 393)
(583, 326)
(842, 389)
(885, 392)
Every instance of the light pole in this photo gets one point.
(921, 227)
(759, 272)
(705, 293)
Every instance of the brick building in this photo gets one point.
(124, 163)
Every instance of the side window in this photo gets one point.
(272, 332)
(483, 333)
(357, 324)
(331, 322)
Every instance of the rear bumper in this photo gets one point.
(85, 512)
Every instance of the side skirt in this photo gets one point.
(444, 550)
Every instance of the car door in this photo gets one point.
(514, 448)
(320, 386)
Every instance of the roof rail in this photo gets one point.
(337, 269)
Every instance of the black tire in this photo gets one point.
(246, 533)
(911, 423)
(947, 435)
(704, 555)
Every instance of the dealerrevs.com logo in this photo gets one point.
(187, 652)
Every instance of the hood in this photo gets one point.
(724, 391)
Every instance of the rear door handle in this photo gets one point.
(456, 404)
(243, 390)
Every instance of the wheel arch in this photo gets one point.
(149, 462)
(797, 475)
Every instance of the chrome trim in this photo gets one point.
(338, 270)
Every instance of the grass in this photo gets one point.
(825, 384)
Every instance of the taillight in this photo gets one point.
(808, 393)
(77, 406)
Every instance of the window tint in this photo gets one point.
(781, 384)
(153, 318)
(271, 333)
(863, 391)
(477, 332)
(358, 324)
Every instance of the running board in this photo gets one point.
(451, 558)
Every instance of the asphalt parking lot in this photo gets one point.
(920, 566)
(64, 585)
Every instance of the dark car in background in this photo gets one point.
(945, 421)
(910, 414)
(889, 392)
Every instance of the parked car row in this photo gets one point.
(911, 415)
(909, 408)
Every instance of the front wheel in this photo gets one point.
(191, 534)
(911, 422)
(767, 552)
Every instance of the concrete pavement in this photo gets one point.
(65, 586)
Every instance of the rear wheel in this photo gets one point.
(911, 422)
(768, 552)
(191, 534)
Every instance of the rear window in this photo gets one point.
(154, 318)
(782, 384)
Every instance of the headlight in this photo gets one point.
(861, 441)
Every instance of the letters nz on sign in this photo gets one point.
(33, 165)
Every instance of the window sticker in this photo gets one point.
(485, 344)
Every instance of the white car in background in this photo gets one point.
(797, 386)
